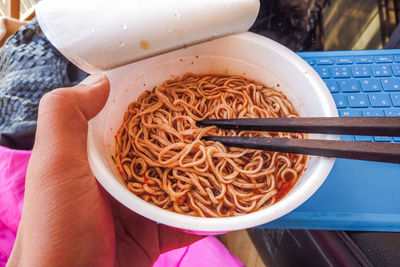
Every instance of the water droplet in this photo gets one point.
(169, 29)
(177, 15)
(121, 44)
(92, 30)
(228, 5)
(124, 26)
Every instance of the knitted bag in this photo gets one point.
(29, 67)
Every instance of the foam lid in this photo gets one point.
(99, 35)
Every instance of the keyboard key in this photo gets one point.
(397, 58)
(362, 138)
(349, 86)
(332, 86)
(381, 70)
(323, 72)
(373, 112)
(350, 113)
(379, 100)
(383, 59)
(396, 69)
(324, 61)
(361, 71)
(340, 101)
(344, 60)
(310, 61)
(395, 97)
(347, 138)
(340, 72)
(392, 112)
(371, 85)
(391, 84)
(357, 100)
(363, 60)
(382, 138)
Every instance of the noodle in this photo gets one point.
(160, 153)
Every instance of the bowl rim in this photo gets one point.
(279, 209)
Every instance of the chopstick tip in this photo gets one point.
(199, 124)
(208, 138)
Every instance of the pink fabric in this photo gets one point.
(13, 166)
(13, 163)
(208, 252)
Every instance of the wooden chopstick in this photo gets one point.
(383, 152)
(380, 126)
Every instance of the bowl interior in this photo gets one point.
(252, 56)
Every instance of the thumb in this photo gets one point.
(64, 114)
(88, 97)
(92, 94)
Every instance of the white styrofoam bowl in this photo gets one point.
(253, 56)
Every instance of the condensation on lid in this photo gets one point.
(97, 36)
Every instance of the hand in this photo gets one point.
(67, 218)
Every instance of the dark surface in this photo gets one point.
(326, 248)
(382, 249)
(307, 248)
(394, 41)
(297, 24)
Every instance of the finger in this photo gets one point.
(171, 238)
(64, 114)
(88, 97)
(64, 209)
(61, 134)
(92, 94)
(137, 237)
(147, 232)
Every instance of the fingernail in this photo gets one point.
(93, 79)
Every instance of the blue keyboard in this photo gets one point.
(366, 85)
(357, 195)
